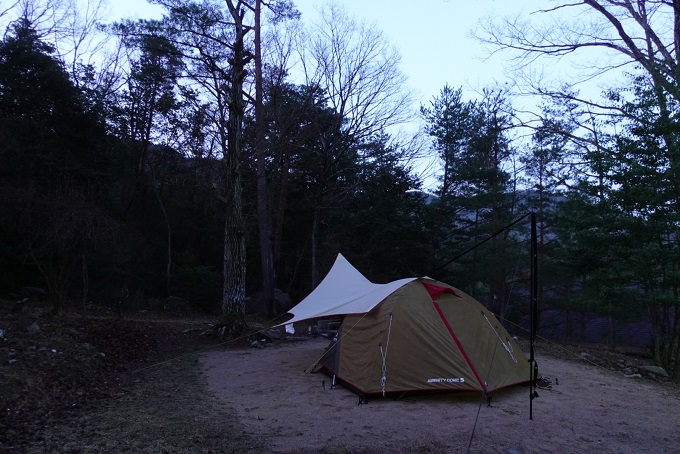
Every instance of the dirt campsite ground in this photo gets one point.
(93, 382)
(592, 409)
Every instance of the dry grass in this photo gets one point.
(83, 384)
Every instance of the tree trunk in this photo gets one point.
(234, 270)
(315, 248)
(234, 291)
(263, 217)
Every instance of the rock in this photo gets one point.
(282, 302)
(34, 328)
(257, 344)
(12, 361)
(276, 334)
(592, 359)
(654, 370)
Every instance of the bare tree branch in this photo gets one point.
(353, 63)
(627, 31)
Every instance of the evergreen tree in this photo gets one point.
(477, 193)
(49, 134)
(621, 226)
(544, 172)
(56, 169)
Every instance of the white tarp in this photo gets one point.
(343, 291)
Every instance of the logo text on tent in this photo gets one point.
(446, 380)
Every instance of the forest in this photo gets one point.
(225, 152)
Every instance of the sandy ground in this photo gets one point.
(591, 410)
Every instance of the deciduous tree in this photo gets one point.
(357, 72)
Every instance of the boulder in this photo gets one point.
(282, 302)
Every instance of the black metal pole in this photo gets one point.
(534, 315)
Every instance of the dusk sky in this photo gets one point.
(433, 36)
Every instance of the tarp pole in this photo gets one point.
(534, 315)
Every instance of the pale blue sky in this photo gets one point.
(431, 35)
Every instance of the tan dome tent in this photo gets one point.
(414, 334)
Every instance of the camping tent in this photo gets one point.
(414, 334)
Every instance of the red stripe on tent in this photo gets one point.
(460, 347)
(435, 290)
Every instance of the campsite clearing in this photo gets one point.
(591, 410)
(91, 383)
